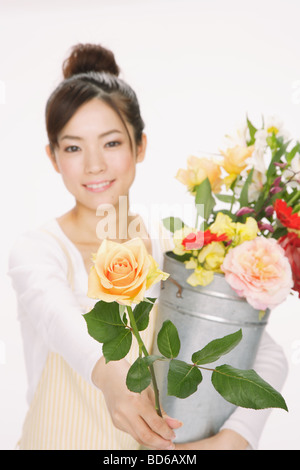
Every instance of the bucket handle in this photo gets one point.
(179, 291)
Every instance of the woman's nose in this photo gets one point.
(94, 161)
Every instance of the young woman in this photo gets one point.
(76, 401)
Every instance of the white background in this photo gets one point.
(198, 67)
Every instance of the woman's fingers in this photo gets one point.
(150, 429)
(158, 424)
(148, 437)
(172, 422)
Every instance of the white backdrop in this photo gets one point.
(198, 67)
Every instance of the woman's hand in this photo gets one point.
(131, 412)
(224, 440)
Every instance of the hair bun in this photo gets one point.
(89, 58)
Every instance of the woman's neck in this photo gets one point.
(86, 229)
(86, 226)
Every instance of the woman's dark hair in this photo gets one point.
(91, 72)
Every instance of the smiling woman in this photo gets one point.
(94, 155)
(77, 401)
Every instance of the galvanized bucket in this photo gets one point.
(202, 314)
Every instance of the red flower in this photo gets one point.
(284, 214)
(291, 245)
(195, 241)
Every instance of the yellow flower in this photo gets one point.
(246, 231)
(223, 224)
(155, 274)
(237, 232)
(235, 161)
(122, 272)
(191, 263)
(198, 169)
(200, 277)
(178, 236)
(212, 256)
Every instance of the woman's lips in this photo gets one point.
(98, 186)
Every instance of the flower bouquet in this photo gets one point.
(238, 262)
(248, 208)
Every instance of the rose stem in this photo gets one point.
(142, 347)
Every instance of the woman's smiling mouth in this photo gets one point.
(98, 186)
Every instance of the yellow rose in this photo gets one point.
(235, 161)
(122, 272)
(246, 231)
(223, 224)
(212, 256)
(198, 169)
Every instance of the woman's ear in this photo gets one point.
(141, 149)
(52, 158)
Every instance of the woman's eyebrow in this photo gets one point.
(104, 134)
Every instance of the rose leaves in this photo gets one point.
(241, 387)
(108, 324)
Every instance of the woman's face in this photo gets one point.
(95, 157)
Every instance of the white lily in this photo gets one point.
(293, 171)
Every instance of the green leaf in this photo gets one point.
(246, 388)
(141, 313)
(152, 358)
(290, 155)
(168, 341)
(138, 377)
(244, 199)
(271, 171)
(204, 199)
(180, 258)
(252, 131)
(118, 347)
(279, 232)
(217, 348)
(296, 209)
(173, 223)
(224, 198)
(106, 326)
(183, 379)
(104, 322)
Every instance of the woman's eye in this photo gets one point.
(72, 148)
(113, 143)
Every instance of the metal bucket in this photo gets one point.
(202, 314)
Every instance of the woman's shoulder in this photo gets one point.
(36, 245)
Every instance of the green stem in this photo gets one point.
(142, 348)
(294, 198)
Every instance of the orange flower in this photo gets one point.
(198, 169)
(235, 161)
(123, 272)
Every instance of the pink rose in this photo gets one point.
(259, 271)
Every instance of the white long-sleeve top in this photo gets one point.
(50, 314)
